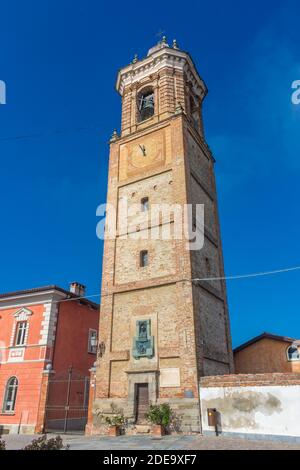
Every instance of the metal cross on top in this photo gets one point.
(160, 34)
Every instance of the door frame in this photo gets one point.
(136, 387)
(137, 377)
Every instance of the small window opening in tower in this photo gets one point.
(145, 204)
(146, 105)
(143, 258)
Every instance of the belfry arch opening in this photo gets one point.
(145, 104)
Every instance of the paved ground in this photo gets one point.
(77, 442)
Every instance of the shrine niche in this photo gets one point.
(143, 342)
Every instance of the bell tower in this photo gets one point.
(160, 328)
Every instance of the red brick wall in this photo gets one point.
(30, 377)
(245, 380)
(71, 343)
(266, 355)
(29, 374)
(7, 321)
(74, 321)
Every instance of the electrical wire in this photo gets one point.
(49, 133)
(245, 276)
(225, 278)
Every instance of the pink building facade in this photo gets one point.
(48, 340)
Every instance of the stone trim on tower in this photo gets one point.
(170, 73)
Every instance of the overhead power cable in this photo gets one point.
(225, 278)
(49, 133)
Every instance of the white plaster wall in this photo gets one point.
(269, 410)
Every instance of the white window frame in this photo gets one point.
(287, 353)
(23, 333)
(12, 402)
(90, 348)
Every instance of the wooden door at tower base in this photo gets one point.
(141, 402)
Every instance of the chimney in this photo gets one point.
(77, 289)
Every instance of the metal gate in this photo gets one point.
(67, 402)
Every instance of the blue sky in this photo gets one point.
(59, 60)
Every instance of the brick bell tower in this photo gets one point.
(159, 331)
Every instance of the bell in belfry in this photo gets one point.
(146, 105)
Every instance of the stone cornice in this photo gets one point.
(152, 64)
(36, 298)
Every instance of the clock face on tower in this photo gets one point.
(142, 154)
(145, 152)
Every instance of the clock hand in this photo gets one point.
(143, 149)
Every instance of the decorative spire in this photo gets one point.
(175, 45)
(114, 136)
(135, 59)
(160, 45)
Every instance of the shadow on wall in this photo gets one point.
(239, 408)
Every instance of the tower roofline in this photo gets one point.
(165, 56)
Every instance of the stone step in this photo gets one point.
(142, 429)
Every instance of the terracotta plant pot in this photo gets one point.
(114, 431)
(158, 430)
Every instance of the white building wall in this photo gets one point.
(262, 411)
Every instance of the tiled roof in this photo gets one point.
(265, 335)
(49, 288)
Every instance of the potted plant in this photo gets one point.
(160, 417)
(115, 420)
(115, 423)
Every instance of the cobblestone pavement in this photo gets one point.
(78, 442)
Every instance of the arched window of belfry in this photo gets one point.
(145, 104)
